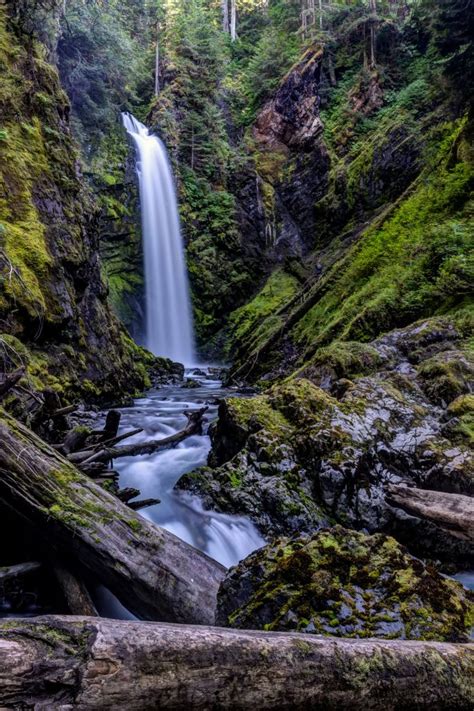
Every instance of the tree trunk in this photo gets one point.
(233, 20)
(157, 61)
(373, 34)
(93, 663)
(152, 572)
(225, 16)
(452, 512)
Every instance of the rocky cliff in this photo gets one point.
(55, 318)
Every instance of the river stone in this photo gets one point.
(344, 583)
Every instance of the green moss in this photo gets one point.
(258, 410)
(345, 583)
(347, 359)
(447, 376)
(134, 524)
(253, 322)
(235, 478)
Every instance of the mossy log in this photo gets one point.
(452, 512)
(155, 574)
(92, 663)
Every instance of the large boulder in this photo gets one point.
(346, 584)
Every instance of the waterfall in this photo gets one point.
(169, 327)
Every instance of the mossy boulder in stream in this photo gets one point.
(346, 584)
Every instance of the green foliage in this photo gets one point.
(451, 24)
(102, 52)
(408, 267)
(251, 324)
(266, 48)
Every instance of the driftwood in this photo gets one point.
(142, 504)
(93, 663)
(452, 512)
(106, 454)
(18, 571)
(78, 600)
(127, 494)
(154, 573)
(10, 381)
(63, 411)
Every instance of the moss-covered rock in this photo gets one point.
(323, 447)
(447, 376)
(52, 295)
(346, 584)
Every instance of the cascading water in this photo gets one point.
(169, 327)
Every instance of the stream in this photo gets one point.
(228, 539)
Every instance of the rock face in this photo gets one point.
(324, 445)
(345, 584)
(54, 310)
(291, 119)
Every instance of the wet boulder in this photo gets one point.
(344, 583)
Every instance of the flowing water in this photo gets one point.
(169, 332)
(226, 538)
(169, 327)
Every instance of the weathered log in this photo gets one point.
(87, 455)
(10, 381)
(112, 424)
(127, 494)
(452, 512)
(93, 663)
(63, 411)
(11, 572)
(154, 573)
(142, 504)
(77, 596)
(194, 426)
(119, 438)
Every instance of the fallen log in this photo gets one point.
(194, 426)
(143, 504)
(77, 596)
(151, 571)
(63, 411)
(10, 381)
(127, 494)
(11, 572)
(452, 512)
(86, 456)
(94, 663)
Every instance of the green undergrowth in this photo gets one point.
(413, 261)
(251, 324)
(414, 264)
